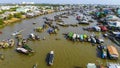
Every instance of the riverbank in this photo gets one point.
(14, 20)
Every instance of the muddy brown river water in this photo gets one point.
(68, 54)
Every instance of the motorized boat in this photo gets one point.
(112, 52)
(51, 58)
(22, 50)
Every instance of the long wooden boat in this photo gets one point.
(51, 58)
(112, 52)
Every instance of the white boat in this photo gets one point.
(74, 36)
(16, 32)
(113, 65)
(22, 50)
(91, 65)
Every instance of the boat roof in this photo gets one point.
(113, 65)
(112, 50)
(51, 52)
(116, 32)
(91, 65)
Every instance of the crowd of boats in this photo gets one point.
(84, 37)
(106, 52)
(109, 65)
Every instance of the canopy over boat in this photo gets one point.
(116, 33)
(91, 65)
(113, 65)
(113, 51)
(70, 34)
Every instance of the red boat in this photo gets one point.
(103, 28)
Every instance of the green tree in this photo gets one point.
(18, 15)
(13, 9)
(1, 22)
(10, 16)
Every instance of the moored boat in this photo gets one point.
(34, 37)
(74, 37)
(112, 52)
(51, 58)
(104, 52)
(27, 48)
(22, 50)
(11, 42)
(70, 34)
(113, 65)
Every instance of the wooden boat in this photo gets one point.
(34, 23)
(85, 37)
(96, 28)
(51, 58)
(93, 40)
(38, 29)
(19, 36)
(78, 18)
(5, 44)
(27, 48)
(70, 34)
(73, 25)
(104, 52)
(17, 32)
(116, 34)
(103, 28)
(112, 52)
(34, 37)
(62, 24)
(99, 41)
(84, 22)
(24, 41)
(74, 37)
(19, 43)
(11, 42)
(64, 16)
(81, 37)
(22, 50)
(77, 36)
